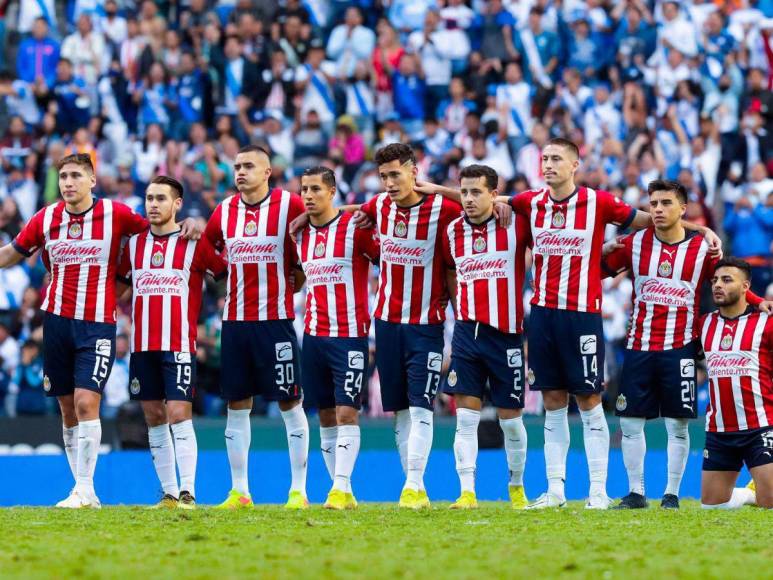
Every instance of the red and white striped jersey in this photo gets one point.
(167, 275)
(412, 286)
(336, 260)
(490, 263)
(567, 238)
(739, 359)
(81, 252)
(261, 254)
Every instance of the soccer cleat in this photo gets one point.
(186, 501)
(517, 497)
(633, 501)
(168, 502)
(336, 500)
(670, 502)
(598, 501)
(466, 501)
(351, 501)
(752, 486)
(235, 501)
(412, 499)
(296, 501)
(547, 500)
(77, 500)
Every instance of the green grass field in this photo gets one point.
(378, 541)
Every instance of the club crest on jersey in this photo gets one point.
(452, 379)
(401, 230)
(75, 230)
(727, 342)
(135, 386)
(250, 229)
(157, 259)
(46, 383)
(665, 269)
(319, 250)
(530, 377)
(558, 220)
(621, 403)
(479, 245)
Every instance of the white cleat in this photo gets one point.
(598, 501)
(76, 501)
(547, 500)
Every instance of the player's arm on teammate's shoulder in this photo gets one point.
(643, 219)
(299, 278)
(367, 243)
(428, 188)
(759, 302)
(123, 276)
(190, 229)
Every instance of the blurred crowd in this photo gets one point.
(647, 88)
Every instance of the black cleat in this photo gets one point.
(187, 501)
(670, 502)
(633, 501)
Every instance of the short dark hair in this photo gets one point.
(395, 151)
(328, 177)
(668, 185)
(176, 186)
(566, 144)
(475, 171)
(255, 149)
(733, 262)
(82, 159)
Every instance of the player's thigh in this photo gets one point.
(179, 373)
(504, 359)
(146, 377)
(676, 382)
(275, 345)
(544, 371)
(758, 456)
(467, 374)
(639, 395)
(723, 457)
(391, 365)
(58, 356)
(763, 481)
(237, 362)
(349, 365)
(94, 354)
(318, 387)
(424, 348)
(717, 486)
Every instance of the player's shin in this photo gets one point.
(556, 449)
(186, 451)
(466, 447)
(237, 441)
(89, 439)
(634, 447)
(740, 497)
(328, 437)
(678, 450)
(402, 432)
(162, 452)
(297, 427)
(70, 437)
(347, 449)
(419, 446)
(515, 447)
(596, 437)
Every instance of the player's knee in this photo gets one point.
(86, 408)
(177, 413)
(67, 407)
(346, 416)
(155, 413)
(588, 402)
(764, 497)
(506, 414)
(554, 400)
(288, 405)
(327, 417)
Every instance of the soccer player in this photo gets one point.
(738, 343)
(486, 268)
(166, 274)
(80, 237)
(336, 257)
(258, 343)
(669, 266)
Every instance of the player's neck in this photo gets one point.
(734, 310)
(324, 218)
(256, 196)
(410, 200)
(164, 229)
(481, 219)
(672, 235)
(563, 190)
(81, 206)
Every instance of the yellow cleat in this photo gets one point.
(336, 500)
(412, 499)
(752, 486)
(517, 497)
(351, 501)
(296, 501)
(236, 501)
(466, 501)
(168, 502)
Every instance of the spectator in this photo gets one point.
(86, 50)
(29, 12)
(112, 25)
(410, 92)
(386, 60)
(494, 30)
(350, 43)
(37, 56)
(29, 383)
(73, 100)
(539, 49)
(513, 101)
(348, 145)
(238, 76)
(315, 80)
(408, 15)
(452, 111)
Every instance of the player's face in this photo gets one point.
(251, 170)
(477, 198)
(75, 183)
(398, 179)
(317, 196)
(558, 165)
(727, 285)
(161, 204)
(666, 209)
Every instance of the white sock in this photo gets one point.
(419, 445)
(238, 434)
(297, 427)
(328, 436)
(741, 496)
(596, 436)
(634, 446)
(89, 439)
(162, 452)
(466, 447)
(678, 450)
(515, 447)
(402, 431)
(556, 448)
(347, 448)
(186, 450)
(70, 437)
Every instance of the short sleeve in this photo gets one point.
(620, 258)
(521, 204)
(124, 272)
(449, 211)
(213, 233)
(31, 237)
(448, 258)
(297, 207)
(130, 222)
(366, 243)
(522, 231)
(369, 208)
(208, 260)
(615, 210)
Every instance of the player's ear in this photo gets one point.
(333, 191)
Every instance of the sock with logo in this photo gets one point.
(419, 446)
(596, 435)
(402, 431)
(556, 448)
(162, 452)
(347, 448)
(328, 436)
(70, 437)
(634, 446)
(238, 434)
(515, 447)
(466, 447)
(186, 450)
(297, 427)
(89, 439)
(678, 449)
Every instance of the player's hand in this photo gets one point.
(766, 306)
(190, 230)
(362, 220)
(504, 214)
(715, 244)
(299, 223)
(425, 187)
(610, 247)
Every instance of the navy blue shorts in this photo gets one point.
(334, 371)
(482, 354)
(409, 358)
(658, 384)
(729, 451)
(566, 351)
(76, 353)
(162, 376)
(259, 358)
